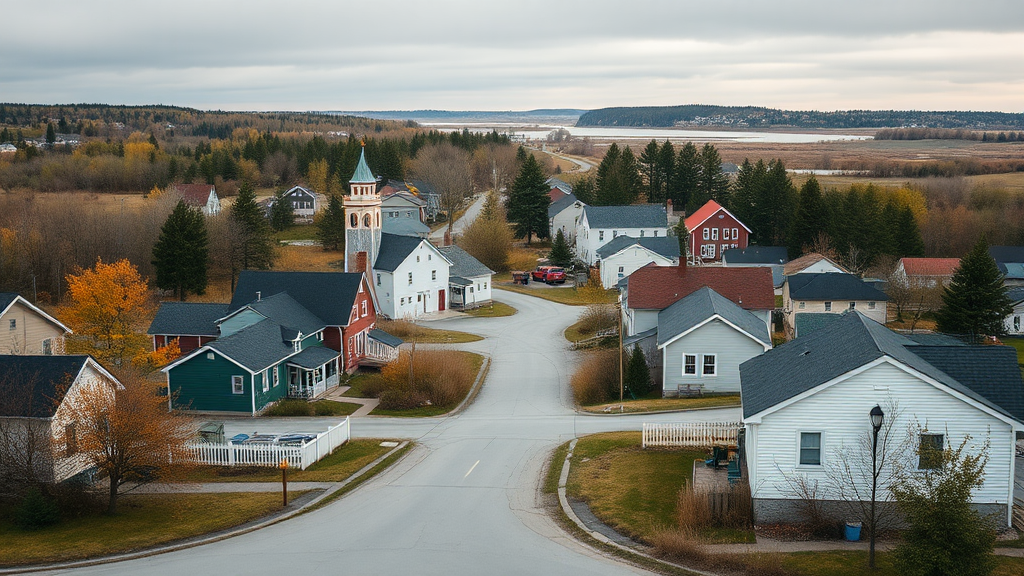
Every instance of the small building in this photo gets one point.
(925, 272)
(558, 188)
(830, 292)
(713, 230)
(192, 324)
(812, 263)
(599, 225)
(564, 215)
(37, 392)
(402, 204)
(410, 277)
(625, 255)
(26, 329)
(1010, 260)
(1013, 321)
(703, 339)
(806, 399)
(771, 257)
(201, 196)
(469, 281)
(305, 203)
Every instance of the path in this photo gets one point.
(472, 211)
(466, 500)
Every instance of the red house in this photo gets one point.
(713, 230)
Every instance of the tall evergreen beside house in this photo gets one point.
(561, 253)
(330, 227)
(528, 201)
(975, 302)
(253, 246)
(181, 254)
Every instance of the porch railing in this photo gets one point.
(380, 352)
(690, 434)
(270, 455)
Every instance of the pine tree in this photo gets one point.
(528, 201)
(282, 212)
(637, 379)
(686, 174)
(746, 196)
(777, 202)
(330, 226)
(181, 254)
(810, 219)
(666, 170)
(629, 174)
(975, 302)
(584, 190)
(51, 134)
(253, 246)
(712, 184)
(907, 235)
(650, 165)
(561, 253)
(607, 181)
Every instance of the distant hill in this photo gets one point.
(758, 117)
(542, 115)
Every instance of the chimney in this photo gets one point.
(259, 295)
(360, 262)
(668, 207)
(447, 238)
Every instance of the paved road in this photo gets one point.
(466, 500)
(472, 211)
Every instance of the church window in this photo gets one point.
(354, 221)
(366, 221)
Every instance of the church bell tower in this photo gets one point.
(362, 219)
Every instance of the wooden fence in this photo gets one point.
(270, 455)
(690, 434)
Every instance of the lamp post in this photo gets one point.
(877, 416)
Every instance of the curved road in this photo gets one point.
(466, 500)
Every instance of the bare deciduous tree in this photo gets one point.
(447, 168)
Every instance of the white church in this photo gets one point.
(409, 275)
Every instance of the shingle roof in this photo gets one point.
(188, 318)
(34, 386)
(406, 227)
(930, 266)
(1013, 270)
(463, 263)
(385, 338)
(1014, 294)
(832, 286)
(562, 203)
(666, 246)
(855, 340)
(394, 249)
(255, 347)
(658, 287)
(6, 299)
(560, 184)
(328, 295)
(639, 337)
(803, 262)
(990, 371)
(636, 216)
(194, 194)
(807, 323)
(702, 304)
(707, 211)
(313, 357)
(362, 175)
(756, 255)
(284, 310)
(1002, 254)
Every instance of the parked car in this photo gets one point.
(549, 275)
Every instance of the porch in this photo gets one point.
(311, 372)
(381, 348)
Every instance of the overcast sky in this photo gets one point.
(490, 55)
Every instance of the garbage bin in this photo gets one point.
(852, 531)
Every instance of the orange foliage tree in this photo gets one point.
(108, 304)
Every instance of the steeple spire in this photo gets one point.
(363, 175)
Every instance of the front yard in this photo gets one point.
(658, 404)
(410, 332)
(441, 380)
(346, 460)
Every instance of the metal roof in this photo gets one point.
(667, 246)
(362, 175)
(561, 204)
(406, 227)
(394, 249)
(257, 346)
(385, 338)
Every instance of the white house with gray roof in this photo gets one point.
(469, 281)
(410, 277)
(830, 293)
(626, 254)
(564, 214)
(599, 225)
(807, 399)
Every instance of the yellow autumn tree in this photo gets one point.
(318, 176)
(107, 305)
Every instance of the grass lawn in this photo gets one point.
(569, 296)
(346, 460)
(410, 332)
(357, 385)
(631, 489)
(293, 407)
(574, 334)
(855, 563)
(494, 310)
(296, 232)
(142, 520)
(1017, 343)
(659, 404)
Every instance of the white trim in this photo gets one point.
(723, 208)
(18, 297)
(730, 324)
(246, 307)
(197, 351)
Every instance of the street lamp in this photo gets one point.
(877, 416)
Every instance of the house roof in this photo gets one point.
(1016, 294)
(301, 190)
(459, 281)
(385, 338)
(7, 299)
(560, 184)
(854, 341)
(195, 194)
(635, 216)
(702, 304)
(709, 209)
(1013, 270)
(188, 318)
(807, 323)
(284, 310)
(313, 357)
(930, 266)
(658, 287)
(362, 175)
(257, 346)
(405, 227)
(666, 246)
(805, 261)
(756, 255)
(394, 249)
(396, 198)
(463, 263)
(34, 386)
(832, 286)
(327, 295)
(556, 206)
(1003, 254)
(556, 194)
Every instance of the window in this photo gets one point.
(710, 364)
(209, 356)
(366, 221)
(433, 274)
(735, 233)
(871, 305)
(655, 233)
(70, 440)
(689, 364)
(430, 257)
(622, 269)
(802, 305)
(810, 448)
(378, 279)
(714, 233)
(725, 233)
(363, 310)
(266, 380)
(470, 289)
(48, 347)
(485, 285)
(707, 233)
(929, 451)
(320, 335)
(410, 278)
(828, 306)
(1016, 323)
(277, 377)
(600, 235)
(403, 302)
(641, 233)
(237, 385)
(419, 297)
(417, 257)
(353, 220)
(615, 233)
(853, 305)
(13, 325)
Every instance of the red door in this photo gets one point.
(440, 300)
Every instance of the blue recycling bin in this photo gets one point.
(852, 531)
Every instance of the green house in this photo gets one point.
(267, 350)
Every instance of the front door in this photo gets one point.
(440, 300)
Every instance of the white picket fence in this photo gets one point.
(301, 457)
(690, 434)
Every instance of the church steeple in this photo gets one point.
(362, 219)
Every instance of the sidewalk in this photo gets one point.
(369, 404)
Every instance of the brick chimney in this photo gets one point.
(668, 207)
(447, 238)
(360, 262)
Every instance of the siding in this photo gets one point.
(716, 337)
(840, 413)
(1018, 313)
(631, 260)
(792, 307)
(273, 393)
(29, 332)
(203, 384)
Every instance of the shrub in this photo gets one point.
(598, 317)
(36, 510)
(401, 328)
(597, 378)
(290, 407)
(438, 377)
(522, 259)
(695, 512)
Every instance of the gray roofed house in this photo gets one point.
(1010, 260)
(405, 227)
(328, 295)
(258, 346)
(832, 286)
(560, 184)
(394, 250)
(666, 246)
(313, 357)
(469, 281)
(40, 381)
(463, 263)
(284, 310)
(561, 204)
(187, 319)
(634, 216)
(702, 305)
(807, 323)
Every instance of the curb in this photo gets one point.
(480, 376)
(217, 537)
(676, 411)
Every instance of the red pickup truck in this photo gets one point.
(549, 275)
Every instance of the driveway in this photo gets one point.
(466, 500)
(472, 211)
